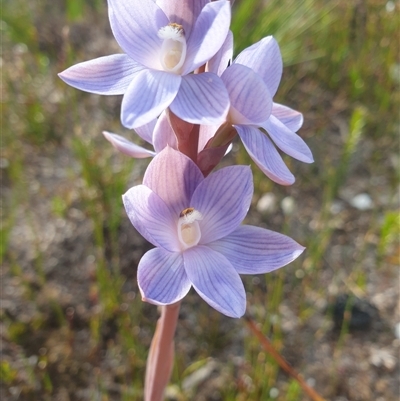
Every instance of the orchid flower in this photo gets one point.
(252, 80)
(194, 224)
(164, 41)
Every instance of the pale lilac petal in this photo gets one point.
(174, 177)
(208, 34)
(127, 147)
(250, 100)
(183, 13)
(146, 131)
(202, 99)
(216, 280)
(219, 63)
(264, 154)
(255, 250)
(264, 57)
(148, 95)
(152, 217)
(162, 278)
(206, 132)
(288, 141)
(135, 25)
(223, 199)
(291, 118)
(163, 134)
(109, 75)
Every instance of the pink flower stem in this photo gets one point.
(187, 135)
(161, 355)
(216, 147)
(188, 144)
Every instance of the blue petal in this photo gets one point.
(174, 177)
(202, 99)
(152, 217)
(163, 134)
(148, 95)
(223, 199)
(216, 280)
(264, 57)
(255, 250)
(264, 154)
(109, 75)
(219, 63)
(291, 118)
(127, 147)
(250, 100)
(208, 34)
(288, 141)
(146, 131)
(162, 278)
(135, 25)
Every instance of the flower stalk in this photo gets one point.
(161, 355)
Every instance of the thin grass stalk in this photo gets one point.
(280, 360)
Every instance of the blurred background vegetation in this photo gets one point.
(73, 325)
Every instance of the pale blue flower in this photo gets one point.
(195, 225)
(252, 80)
(164, 42)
